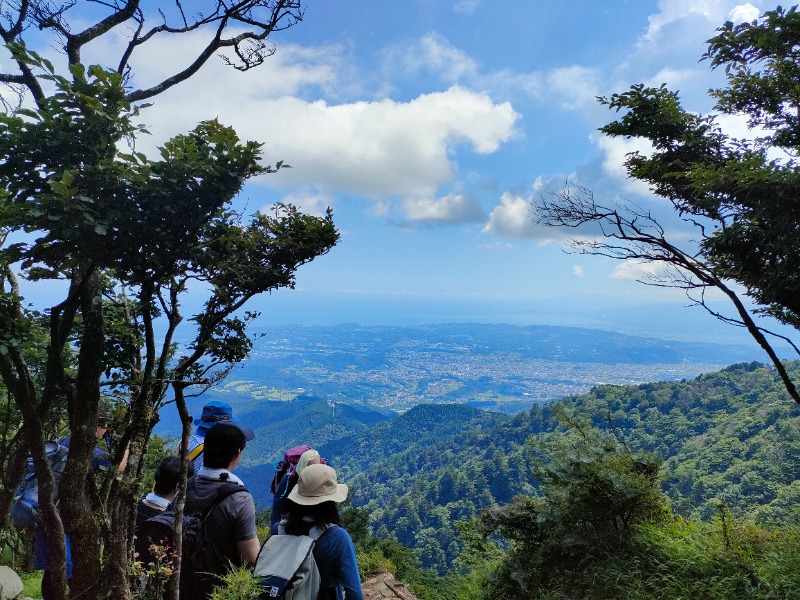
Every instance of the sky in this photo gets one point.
(429, 126)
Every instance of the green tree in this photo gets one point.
(738, 195)
(129, 237)
(594, 493)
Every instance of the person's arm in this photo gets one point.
(244, 529)
(124, 462)
(248, 550)
(349, 577)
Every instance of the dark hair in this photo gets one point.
(104, 415)
(221, 445)
(300, 517)
(168, 474)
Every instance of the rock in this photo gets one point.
(386, 587)
(10, 583)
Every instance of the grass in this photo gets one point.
(32, 584)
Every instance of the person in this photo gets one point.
(287, 483)
(312, 503)
(230, 527)
(101, 461)
(214, 412)
(167, 477)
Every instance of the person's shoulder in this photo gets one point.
(336, 533)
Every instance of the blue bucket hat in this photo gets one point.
(214, 412)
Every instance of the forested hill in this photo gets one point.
(732, 436)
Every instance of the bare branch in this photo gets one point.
(631, 233)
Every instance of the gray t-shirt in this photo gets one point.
(232, 520)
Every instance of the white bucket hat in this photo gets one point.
(317, 484)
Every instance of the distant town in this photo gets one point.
(499, 367)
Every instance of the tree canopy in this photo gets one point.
(123, 238)
(738, 195)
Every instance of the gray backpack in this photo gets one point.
(286, 568)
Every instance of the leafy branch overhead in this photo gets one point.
(739, 196)
(242, 27)
(124, 239)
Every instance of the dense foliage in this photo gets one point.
(729, 438)
(737, 196)
(119, 239)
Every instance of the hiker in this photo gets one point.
(101, 461)
(165, 488)
(287, 482)
(312, 503)
(230, 526)
(214, 412)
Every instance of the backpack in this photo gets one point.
(286, 466)
(197, 578)
(286, 569)
(25, 510)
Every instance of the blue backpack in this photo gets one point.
(25, 510)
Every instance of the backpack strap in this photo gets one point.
(203, 505)
(318, 531)
(198, 450)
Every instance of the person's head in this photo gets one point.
(224, 443)
(309, 457)
(316, 484)
(168, 474)
(313, 500)
(214, 412)
(104, 418)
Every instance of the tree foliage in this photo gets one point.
(123, 238)
(594, 492)
(738, 195)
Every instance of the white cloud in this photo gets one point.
(577, 271)
(615, 150)
(636, 270)
(385, 148)
(513, 217)
(672, 11)
(571, 87)
(744, 13)
(434, 53)
(466, 6)
(673, 77)
(378, 149)
(451, 209)
(310, 202)
(574, 87)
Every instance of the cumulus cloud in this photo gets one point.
(575, 87)
(744, 13)
(451, 209)
(310, 202)
(571, 87)
(513, 217)
(673, 77)
(672, 11)
(434, 53)
(637, 270)
(385, 148)
(615, 152)
(377, 149)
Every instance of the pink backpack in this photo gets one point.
(287, 465)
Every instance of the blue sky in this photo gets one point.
(429, 126)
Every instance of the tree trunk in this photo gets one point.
(79, 506)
